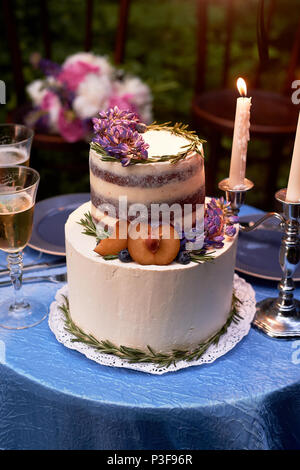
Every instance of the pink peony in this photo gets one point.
(89, 58)
(123, 102)
(84, 85)
(92, 95)
(52, 105)
(138, 96)
(70, 127)
(74, 73)
(49, 99)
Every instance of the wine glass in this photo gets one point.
(15, 144)
(18, 188)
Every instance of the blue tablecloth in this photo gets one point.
(55, 398)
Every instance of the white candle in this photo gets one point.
(293, 189)
(241, 136)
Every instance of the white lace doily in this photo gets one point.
(234, 334)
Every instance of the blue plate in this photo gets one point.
(50, 216)
(258, 251)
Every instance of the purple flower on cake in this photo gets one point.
(116, 131)
(84, 84)
(230, 231)
(218, 222)
(233, 219)
(213, 225)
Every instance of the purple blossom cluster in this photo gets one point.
(49, 68)
(118, 133)
(218, 222)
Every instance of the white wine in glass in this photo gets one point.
(18, 188)
(15, 144)
(16, 218)
(13, 156)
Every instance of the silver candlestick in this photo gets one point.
(280, 317)
(277, 317)
(236, 197)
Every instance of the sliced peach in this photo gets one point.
(137, 246)
(152, 244)
(168, 247)
(153, 247)
(112, 245)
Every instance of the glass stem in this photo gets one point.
(15, 266)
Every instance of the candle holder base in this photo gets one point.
(236, 196)
(280, 317)
(271, 321)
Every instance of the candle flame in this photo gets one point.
(242, 87)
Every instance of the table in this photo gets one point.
(55, 398)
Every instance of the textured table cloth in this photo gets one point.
(54, 398)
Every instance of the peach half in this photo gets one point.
(113, 244)
(158, 246)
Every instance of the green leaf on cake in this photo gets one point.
(198, 256)
(91, 229)
(88, 224)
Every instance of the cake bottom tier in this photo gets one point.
(165, 307)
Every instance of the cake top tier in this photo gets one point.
(119, 136)
(164, 142)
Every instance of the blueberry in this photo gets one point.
(124, 256)
(140, 127)
(184, 257)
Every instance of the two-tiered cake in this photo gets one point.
(137, 290)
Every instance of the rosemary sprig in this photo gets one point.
(91, 229)
(178, 129)
(109, 257)
(88, 224)
(133, 355)
(200, 256)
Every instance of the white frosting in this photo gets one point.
(164, 143)
(165, 307)
(175, 190)
(152, 169)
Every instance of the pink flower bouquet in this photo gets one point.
(70, 95)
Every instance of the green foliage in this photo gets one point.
(88, 225)
(161, 49)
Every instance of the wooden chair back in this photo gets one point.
(265, 15)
